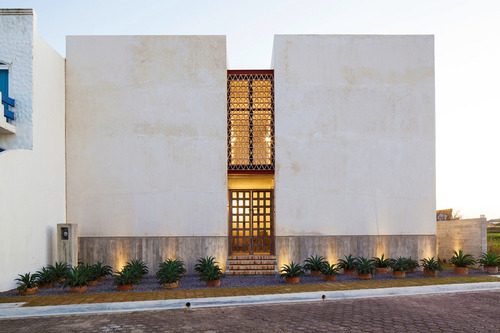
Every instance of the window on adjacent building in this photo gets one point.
(250, 120)
(4, 88)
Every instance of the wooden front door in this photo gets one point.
(251, 222)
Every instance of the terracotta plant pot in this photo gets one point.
(102, 278)
(315, 273)
(349, 271)
(490, 269)
(398, 274)
(428, 272)
(77, 290)
(125, 287)
(172, 285)
(212, 283)
(366, 276)
(461, 270)
(92, 283)
(60, 280)
(29, 291)
(329, 277)
(295, 279)
(382, 270)
(412, 270)
(46, 285)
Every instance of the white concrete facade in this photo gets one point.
(355, 152)
(32, 169)
(146, 135)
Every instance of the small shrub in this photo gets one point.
(431, 264)
(382, 262)
(44, 276)
(348, 263)
(365, 266)
(76, 277)
(292, 270)
(138, 266)
(26, 281)
(489, 259)
(400, 264)
(208, 269)
(461, 259)
(170, 271)
(126, 275)
(330, 269)
(315, 263)
(412, 264)
(60, 270)
(102, 270)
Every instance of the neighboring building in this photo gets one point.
(170, 154)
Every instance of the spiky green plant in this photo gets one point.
(60, 270)
(382, 262)
(138, 266)
(330, 269)
(315, 263)
(400, 264)
(292, 270)
(170, 271)
(44, 276)
(489, 259)
(26, 281)
(412, 264)
(126, 275)
(431, 264)
(365, 266)
(461, 259)
(348, 263)
(76, 277)
(208, 269)
(103, 270)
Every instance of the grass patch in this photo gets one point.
(493, 240)
(241, 291)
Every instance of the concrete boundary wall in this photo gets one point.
(116, 251)
(468, 235)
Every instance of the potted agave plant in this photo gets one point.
(169, 273)
(330, 272)
(209, 271)
(45, 278)
(292, 272)
(382, 264)
(431, 266)
(59, 270)
(139, 267)
(92, 273)
(490, 262)
(27, 284)
(76, 279)
(103, 271)
(125, 279)
(348, 265)
(412, 265)
(315, 265)
(365, 268)
(462, 261)
(399, 267)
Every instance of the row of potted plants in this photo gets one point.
(365, 268)
(79, 277)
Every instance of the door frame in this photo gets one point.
(229, 221)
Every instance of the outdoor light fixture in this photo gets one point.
(64, 233)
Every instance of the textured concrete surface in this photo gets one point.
(476, 312)
(116, 251)
(67, 249)
(298, 248)
(468, 235)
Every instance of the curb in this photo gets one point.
(61, 310)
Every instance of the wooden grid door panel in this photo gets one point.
(251, 221)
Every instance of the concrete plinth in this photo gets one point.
(67, 243)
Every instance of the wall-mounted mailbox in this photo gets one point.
(67, 243)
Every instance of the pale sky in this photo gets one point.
(467, 53)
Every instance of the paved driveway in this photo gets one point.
(460, 312)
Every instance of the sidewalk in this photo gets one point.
(247, 296)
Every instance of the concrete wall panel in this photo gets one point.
(469, 235)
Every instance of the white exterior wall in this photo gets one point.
(146, 135)
(355, 152)
(32, 190)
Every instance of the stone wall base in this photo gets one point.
(116, 251)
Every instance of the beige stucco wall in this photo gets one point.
(146, 135)
(32, 181)
(355, 152)
(468, 235)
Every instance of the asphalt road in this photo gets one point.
(459, 312)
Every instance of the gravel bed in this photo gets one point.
(192, 282)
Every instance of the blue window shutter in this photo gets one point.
(4, 88)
